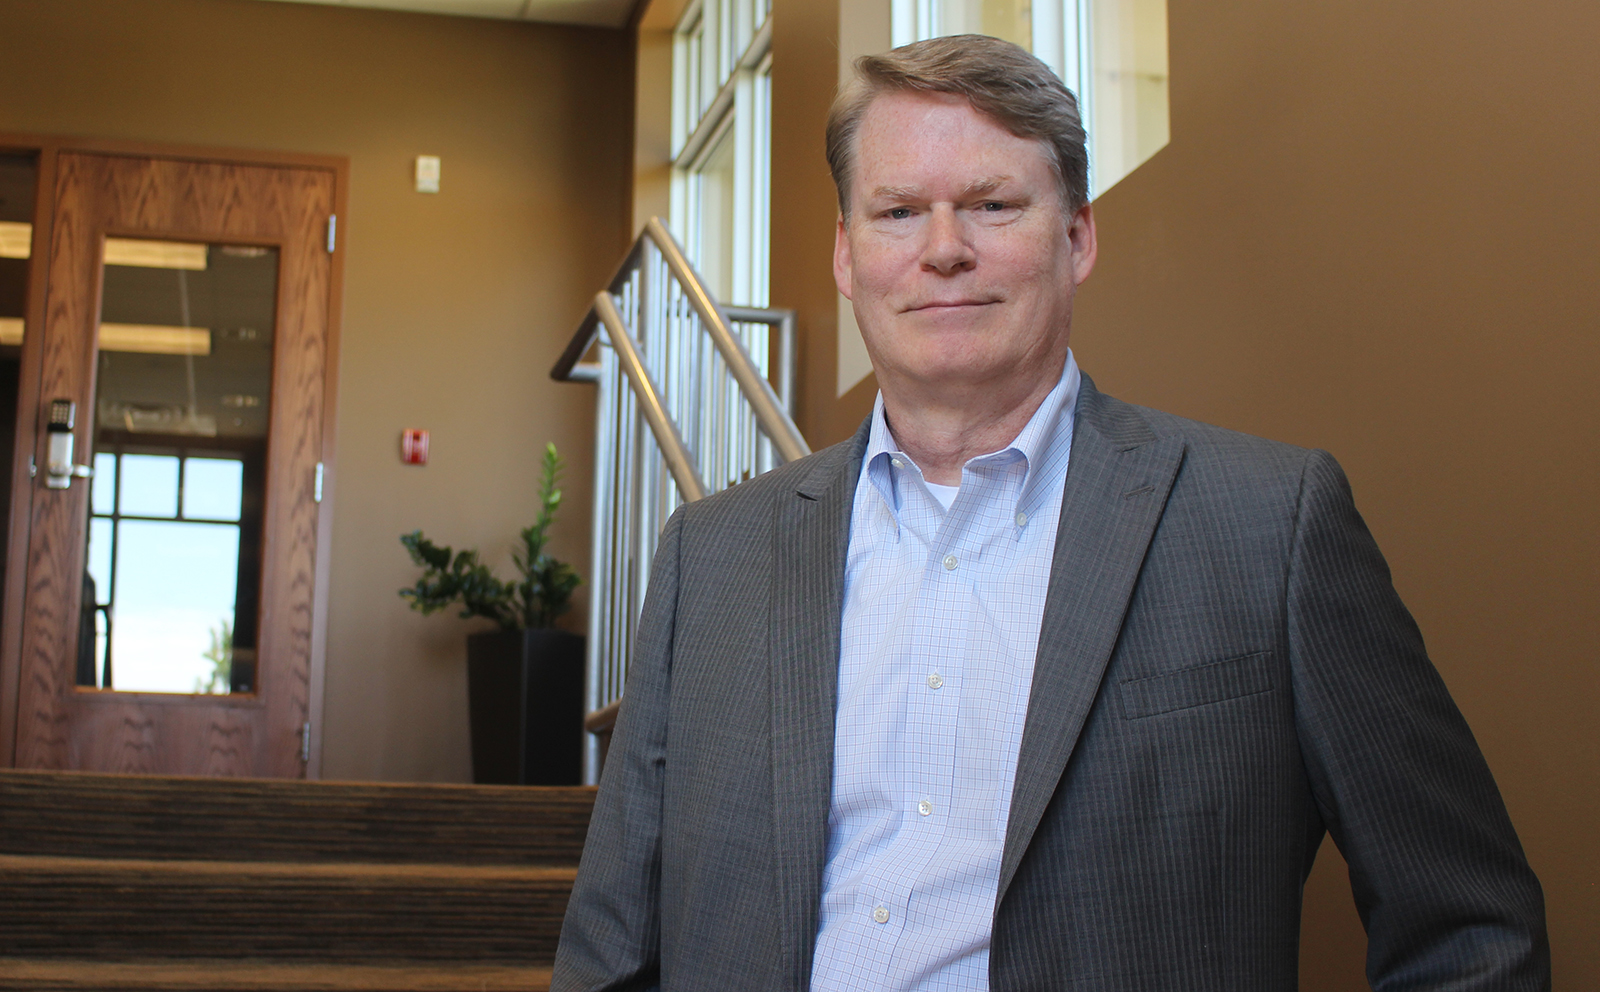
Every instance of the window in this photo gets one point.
(1111, 53)
(721, 139)
(169, 569)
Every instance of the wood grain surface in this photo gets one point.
(256, 975)
(23, 453)
(145, 882)
(58, 724)
(112, 908)
(79, 814)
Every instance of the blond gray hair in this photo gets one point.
(1001, 80)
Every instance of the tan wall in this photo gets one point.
(455, 305)
(652, 118)
(805, 71)
(1375, 232)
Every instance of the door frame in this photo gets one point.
(48, 148)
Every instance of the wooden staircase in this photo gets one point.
(131, 882)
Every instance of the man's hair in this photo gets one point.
(1001, 81)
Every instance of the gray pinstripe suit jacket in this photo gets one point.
(1224, 673)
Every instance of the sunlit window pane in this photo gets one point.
(175, 592)
(150, 485)
(101, 633)
(714, 229)
(1008, 19)
(100, 558)
(213, 488)
(1111, 53)
(104, 492)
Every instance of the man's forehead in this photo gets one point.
(893, 121)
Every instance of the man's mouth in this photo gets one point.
(936, 306)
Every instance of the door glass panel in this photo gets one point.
(181, 405)
(18, 176)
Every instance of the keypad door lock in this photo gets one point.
(59, 467)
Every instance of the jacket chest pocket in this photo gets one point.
(1200, 685)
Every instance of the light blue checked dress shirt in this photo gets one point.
(942, 609)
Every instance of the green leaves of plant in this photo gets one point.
(542, 595)
(449, 577)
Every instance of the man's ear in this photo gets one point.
(842, 262)
(1085, 247)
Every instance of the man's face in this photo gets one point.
(959, 254)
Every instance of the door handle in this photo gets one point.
(59, 470)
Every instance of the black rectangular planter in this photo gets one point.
(525, 699)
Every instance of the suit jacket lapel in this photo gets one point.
(1116, 488)
(811, 536)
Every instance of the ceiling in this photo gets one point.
(594, 13)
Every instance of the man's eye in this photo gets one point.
(899, 213)
(993, 205)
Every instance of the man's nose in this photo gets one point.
(946, 250)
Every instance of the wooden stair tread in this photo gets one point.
(255, 975)
(122, 871)
(79, 814)
(93, 908)
(146, 882)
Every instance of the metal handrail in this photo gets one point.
(776, 425)
(678, 416)
(679, 461)
(757, 391)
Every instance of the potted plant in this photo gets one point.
(525, 679)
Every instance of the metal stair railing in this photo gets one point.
(694, 397)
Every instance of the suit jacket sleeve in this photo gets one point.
(1443, 888)
(611, 938)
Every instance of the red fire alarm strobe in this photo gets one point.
(414, 447)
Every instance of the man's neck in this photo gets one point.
(941, 438)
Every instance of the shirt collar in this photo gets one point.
(1044, 444)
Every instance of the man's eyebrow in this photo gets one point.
(896, 193)
(978, 187)
(984, 186)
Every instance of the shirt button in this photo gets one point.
(881, 915)
(936, 681)
(1022, 520)
(950, 562)
(925, 808)
(897, 463)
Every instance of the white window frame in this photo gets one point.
(1062, 36)
(722, 74)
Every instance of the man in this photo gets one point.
(1024, 687)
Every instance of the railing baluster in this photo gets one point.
(694, 397)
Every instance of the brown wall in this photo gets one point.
(1375, 232)
(652, 110)
(455, 305)
(805, 71)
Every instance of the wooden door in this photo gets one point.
(263, 730)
